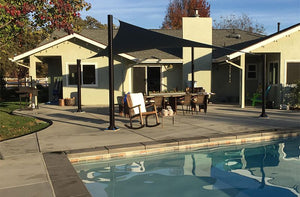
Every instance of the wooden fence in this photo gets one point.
(15, 82)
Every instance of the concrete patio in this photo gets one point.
(27, 166)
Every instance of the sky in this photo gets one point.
(150, 14)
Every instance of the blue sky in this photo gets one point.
(150, 13)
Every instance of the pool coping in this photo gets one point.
(178, 144)
(66, 182)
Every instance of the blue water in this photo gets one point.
(270, 169)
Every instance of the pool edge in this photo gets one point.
(179, 144)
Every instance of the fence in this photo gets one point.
(15, 82)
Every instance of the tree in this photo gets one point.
(89, 23)
(184, 8)
(242, 22)
(25, 22)
(16, 15)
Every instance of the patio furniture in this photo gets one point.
(167, 113)
(27, 93)
(201, 101)
(187, 102)
(257, 97)
(159, 102)
(138, 109)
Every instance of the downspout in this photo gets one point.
(242, 82)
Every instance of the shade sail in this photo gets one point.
(131, 38)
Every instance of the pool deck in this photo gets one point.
(37, 164)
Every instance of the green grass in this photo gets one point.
(12, 126)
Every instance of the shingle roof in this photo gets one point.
(232, 39)
(235, 39)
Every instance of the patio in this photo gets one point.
(33, 165)
(72, 131)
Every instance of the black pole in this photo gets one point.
(263, 94)
(111, 74)
(193, 70)
(79, 85)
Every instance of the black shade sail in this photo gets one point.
(131, 38)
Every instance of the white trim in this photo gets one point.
(285, 69)
(264, 42)
(234, 64)
(63, 39)
(82, 64)
(161, 61)
(43, 47)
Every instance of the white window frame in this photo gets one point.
(82, 64)
(285, 68)
(251, 71)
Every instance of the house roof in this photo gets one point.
(233, 39)
(100, 35)
(265, 40)
(221, 37)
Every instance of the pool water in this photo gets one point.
(269, 169)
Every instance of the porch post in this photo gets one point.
(32, 72)
(243, 81)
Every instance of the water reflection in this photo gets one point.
(269, 170)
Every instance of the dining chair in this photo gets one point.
(187, 102)
(201, 101)
(159, 103)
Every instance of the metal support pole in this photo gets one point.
(79, 85)
(193, 70)
(263, 94)
(111, 75)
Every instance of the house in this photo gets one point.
(231, 74)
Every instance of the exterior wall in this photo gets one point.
(70, 51)
(225, 83)
(171, 77)
(288, 47)
(200, 30)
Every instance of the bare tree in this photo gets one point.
(243, 22)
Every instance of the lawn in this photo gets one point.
(13, 125)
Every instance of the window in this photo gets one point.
(251, 71)
(73, 75)
(293, 73)
(88, 75)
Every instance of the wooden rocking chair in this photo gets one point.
(137, 109)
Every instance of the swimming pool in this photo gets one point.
(266, 169)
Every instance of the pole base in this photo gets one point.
(263, 115)
(112, 128)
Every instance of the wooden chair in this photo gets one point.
(159, 103)
(201, 101)
(187, 102)
(137, 109)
